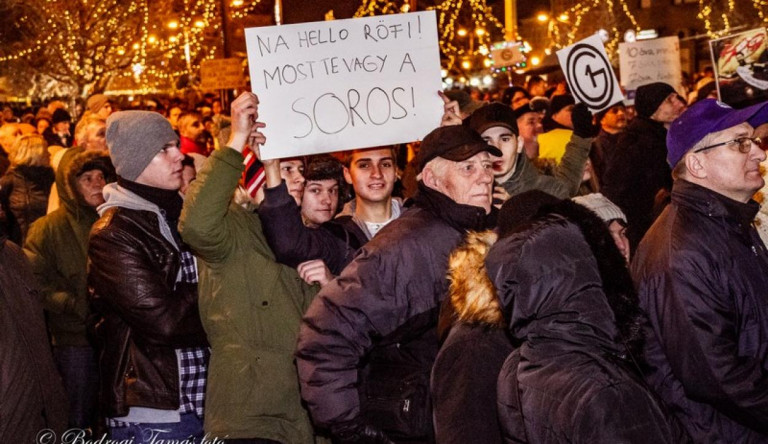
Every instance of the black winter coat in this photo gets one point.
(702, 276)
(24, 194)
(635, 173)
(566, 292)
(464, 376)
(292, 242)
(368, 341)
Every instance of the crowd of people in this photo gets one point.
(527, 273)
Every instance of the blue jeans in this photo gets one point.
(79, 371)
(189, 428)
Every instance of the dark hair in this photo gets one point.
(509, 93)
(346, 158)
(188, 161)
(327, 167)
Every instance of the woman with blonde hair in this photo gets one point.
(25, 187)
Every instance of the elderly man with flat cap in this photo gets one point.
(368, 341)
(702, 277)
(142, 279)
(637, 170)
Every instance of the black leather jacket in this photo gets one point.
(142, 313)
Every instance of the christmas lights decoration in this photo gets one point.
(88, 44)
(466, 29)
(380, 7)
(524, 49)
(720, 17)
(611, 15)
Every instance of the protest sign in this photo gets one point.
(740, 67)
(221, 74)
(589, 74)
(649, 61)
(344, 84)
(507, 54)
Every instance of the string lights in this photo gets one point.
(720, 19)
(461, 45)
(610, 15)
(378, 7)
(86, 44)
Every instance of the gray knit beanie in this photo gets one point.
(600, 205)
(134, 138)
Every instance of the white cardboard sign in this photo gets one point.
(345, 84)
(648, 61)
(589, 74)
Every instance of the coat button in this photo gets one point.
(264, 303)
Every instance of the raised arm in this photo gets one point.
(203, 224)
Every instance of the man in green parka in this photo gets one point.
(250, 305)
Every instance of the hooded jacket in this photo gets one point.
(566, 293)
(250, 306)
(368, 341)
(57, 246)
(463, 383)
(702, 276)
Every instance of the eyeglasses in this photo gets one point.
(744, 144)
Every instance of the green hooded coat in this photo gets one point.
(251, 307)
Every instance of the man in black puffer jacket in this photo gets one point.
(368, 341)
(702, 274)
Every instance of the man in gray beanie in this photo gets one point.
(153, 351)
(637, 171)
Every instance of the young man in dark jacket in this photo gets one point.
(143, 285)
(702, 274)
(368, 341)
(637, 171)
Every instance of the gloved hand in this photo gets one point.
(582, 119)
(357, 432)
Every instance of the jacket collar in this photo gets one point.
(459, 216)
(712, 203)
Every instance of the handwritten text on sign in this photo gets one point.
(649, 61)
(344, 84)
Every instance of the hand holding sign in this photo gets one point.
(589, 74)
(345, 84)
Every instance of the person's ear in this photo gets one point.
(429, 178)
(695, 164)
(347, 176)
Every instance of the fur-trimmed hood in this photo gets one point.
(472, 296)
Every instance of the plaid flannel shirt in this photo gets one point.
(193, 361)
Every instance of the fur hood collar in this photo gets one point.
(472, 295)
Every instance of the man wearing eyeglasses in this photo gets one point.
(702, 277)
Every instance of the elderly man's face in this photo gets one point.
(468, 182)
(727, 170)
